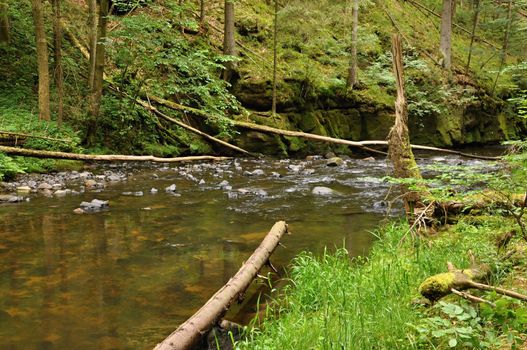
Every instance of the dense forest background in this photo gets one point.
(177, 50)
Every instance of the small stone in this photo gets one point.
(44, 186)
(171, 188)
(147, 208)
(335, 161)
(258, 172)
(23, 189)
(275, 175)
(261, 193)
(90, 183)
(113, 178)
(78, 211)
(224, 185)
(56, 186)
(61, 193)
(308, 171)
(330, 155)
(369, 159)
(201, 182)
(94, 205)
(154, 190)
(322, 191)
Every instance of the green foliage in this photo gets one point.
(455, 325)
(8, 167)
(151, 55)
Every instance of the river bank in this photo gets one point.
(334, 300)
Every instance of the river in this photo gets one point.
(124, 278)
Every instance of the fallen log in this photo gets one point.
(455, 280)
(22, 135)
(190, 128)
(101, 158)
(190, 332)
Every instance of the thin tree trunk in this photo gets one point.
(229, 44)
(505, 46)
(202, 13)
(352, 74)
(59, 75)
(92, 38)
(473, 35)
(399, 148)
(98, 82)
(275, 54)
(189, 333)
(446, 34)
(42, 58)
(4, 24)
(101, 158)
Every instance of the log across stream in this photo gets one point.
(128, 276)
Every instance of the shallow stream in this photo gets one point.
(124, 278)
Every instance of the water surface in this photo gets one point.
(126, 277)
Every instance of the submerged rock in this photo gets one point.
(322, 191)
(94, 206)
(6, 198)
(171, 188)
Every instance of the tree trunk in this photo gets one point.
(229, 44)
(473, 35)
(59, 75)
(446, 34)
(399, 148)
(202, 13)
(100, 158)
(98, 81)
(4, 24)
(275, 54)
(190, 332)
(352, 74)
(92, 39)
(42, 58)
(505, 46)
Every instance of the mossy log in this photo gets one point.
(441, 285)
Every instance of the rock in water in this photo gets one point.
(335, 161)
(94, 206)
(171, 188)
(322, 191)
(10, 199)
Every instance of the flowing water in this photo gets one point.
(124, 278)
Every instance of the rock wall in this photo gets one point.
(355, 120)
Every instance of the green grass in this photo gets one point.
(334, 302)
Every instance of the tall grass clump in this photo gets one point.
(334, 302)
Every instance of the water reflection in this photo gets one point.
(125, 278)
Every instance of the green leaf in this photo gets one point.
(452, 342)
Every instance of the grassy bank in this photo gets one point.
(372, 303)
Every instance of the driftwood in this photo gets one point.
(190, 332)
(101, 158)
